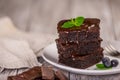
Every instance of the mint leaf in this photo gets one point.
(102, 67)
(79, 21)
(67, 25)
(73, 22)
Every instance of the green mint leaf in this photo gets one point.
(102, 67)
(68, 24)
(74, 22)
(79, 21)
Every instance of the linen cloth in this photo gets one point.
(19, 49)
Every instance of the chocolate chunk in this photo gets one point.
(60, 75)
(16, 78)
(38, 78)
(28, 75)
(47, 73)
(35, 72)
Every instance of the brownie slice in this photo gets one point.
(87, 31)
(69, 55)
(82, 48)
(81, 62)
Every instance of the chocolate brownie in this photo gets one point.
(81, 62)
(83, 48)
(89, 30)
(69, 55)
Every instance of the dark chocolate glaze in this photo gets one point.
(88, 22)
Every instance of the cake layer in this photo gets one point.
(87, 31)
(81, 62)
(82, 48)
(69, 55)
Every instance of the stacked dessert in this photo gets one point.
(79, 46)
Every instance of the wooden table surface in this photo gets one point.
(37, 15)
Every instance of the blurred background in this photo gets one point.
(42, 16)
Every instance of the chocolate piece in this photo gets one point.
(35, 72)
(81, 62)
(28, 75)
(69, 55)
(39, 78)
(47, 73)
(83, 48)
(87, 31)
(60, 75)
(16, 78)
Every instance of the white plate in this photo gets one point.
(51, 56)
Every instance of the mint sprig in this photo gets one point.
(68, 24)
(74, 22)
(102, 67)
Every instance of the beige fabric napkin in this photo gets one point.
(36, 41)
(16, 54)
(19, 49)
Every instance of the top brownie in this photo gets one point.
(87, 24)
(89, 30)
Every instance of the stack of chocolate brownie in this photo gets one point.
(80, 46)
